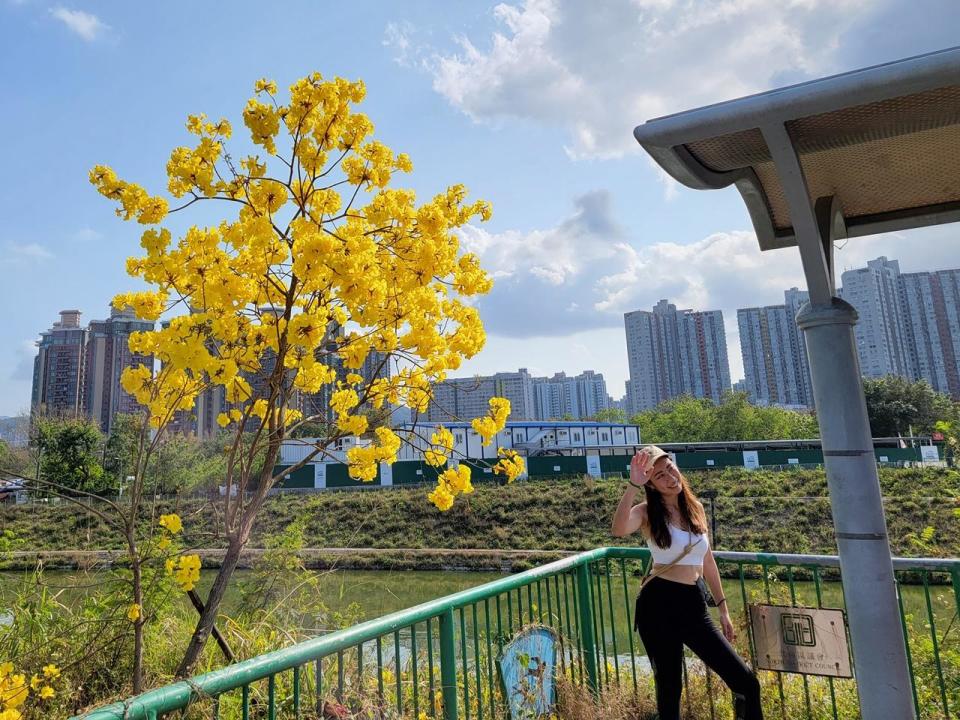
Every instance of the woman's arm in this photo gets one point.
(711, 573)
(629, 517)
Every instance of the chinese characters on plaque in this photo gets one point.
(810, 641)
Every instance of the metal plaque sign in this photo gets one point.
(809, 641)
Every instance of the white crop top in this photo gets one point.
(678, 541)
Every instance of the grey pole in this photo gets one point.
(879, 655)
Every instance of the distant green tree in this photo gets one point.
(688, 419)
(69, 451)
(312, 430)
(896, 405)
(182, 463)
(16, 460)
(611, 415)
(120, 449)
(683, 419)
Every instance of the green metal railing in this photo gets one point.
(439, 658)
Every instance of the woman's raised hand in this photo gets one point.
(639, 468)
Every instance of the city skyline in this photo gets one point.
(909, 325)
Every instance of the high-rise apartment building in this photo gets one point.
(576, 397)
(468, 398)
(774, 355)
(908, 324)
(77, 370)
(107, 356)
(793, 300)
(674, 352)
(882, 340)
(931, 318)
(59, 368)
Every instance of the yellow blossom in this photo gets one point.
(450, 483)
(13, 691)
(510, 464)
(133, 612)
(492, 423)
(441, 497)
(185, 571)
(441, 446)
(171, 522)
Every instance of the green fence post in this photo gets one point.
(955, 581)
(586, 626)
(448, 665)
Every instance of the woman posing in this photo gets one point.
(671, 611)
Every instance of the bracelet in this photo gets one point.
(639, 487)
(721, 601)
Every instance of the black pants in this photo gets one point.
(670, 615)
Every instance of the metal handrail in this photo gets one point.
(178, 695)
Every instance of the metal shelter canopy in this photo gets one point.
(883, 141)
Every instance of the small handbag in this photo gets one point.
(705, 591)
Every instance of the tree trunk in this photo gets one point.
(236, 543)
(209, 615)
(138, 631)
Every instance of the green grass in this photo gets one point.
(771, 511)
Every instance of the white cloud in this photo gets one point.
(599, 69)
(87, 26)
(556, 256)
(24, 353)
(581, 275)
(86, 234)
(396, 38)
(28, 251)
(585, 273)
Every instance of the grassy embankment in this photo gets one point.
(756, 511)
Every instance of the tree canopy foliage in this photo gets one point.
(898, 406)
(70, 452)
(688, 419)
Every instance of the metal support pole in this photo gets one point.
(448, 666)
(879, 652)
(586, 626)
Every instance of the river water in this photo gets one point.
(378, 592)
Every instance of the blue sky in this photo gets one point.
(529, 103)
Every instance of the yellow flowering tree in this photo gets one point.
(318, 267)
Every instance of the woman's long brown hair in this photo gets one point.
(690, 510)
